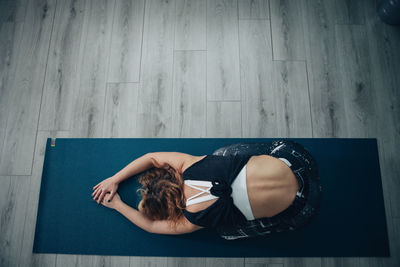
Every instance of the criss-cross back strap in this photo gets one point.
(194, 184)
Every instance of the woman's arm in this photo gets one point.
(138, 165)
(158, 226)
(130, 213)
(139, 219)
(134, 216)
(110, 185)
(153, 159)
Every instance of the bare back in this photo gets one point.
(271, 186)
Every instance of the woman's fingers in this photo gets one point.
(97, 199)
(107, 198)
(94, 192)
(97, 194)
(112, 195)
(96, 186)
(101, 197)
(100, 191)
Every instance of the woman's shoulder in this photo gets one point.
(177, 160)
(191, 160)
(193, 226)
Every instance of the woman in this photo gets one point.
(242, 190)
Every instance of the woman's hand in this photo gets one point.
(108, 185)
(112, 204)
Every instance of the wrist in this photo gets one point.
(119, 205)
(115, 178)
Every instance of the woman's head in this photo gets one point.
(162, 194)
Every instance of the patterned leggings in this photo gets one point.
(308, 197)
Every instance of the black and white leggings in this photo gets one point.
(306, 202)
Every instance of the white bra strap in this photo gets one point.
(201, 189)
(198, 183)
(200, 199)
(198, 194)
(193, 183)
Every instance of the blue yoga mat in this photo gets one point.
(351, 221)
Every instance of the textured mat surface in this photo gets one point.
(351, 221)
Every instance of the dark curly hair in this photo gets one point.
(162, 194)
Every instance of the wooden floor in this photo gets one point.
(190, 68)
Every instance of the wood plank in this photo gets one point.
(354, 73)
(120, 110)
(190, 25)
(395, 244)
(223, 119)
(309, 262)
(353, 66)
(265, 261)
(91, 260)
(61, 84)
(389, 169)
(7, 11)
(12, 10)
(189, 94)
(27, 258)
(11, 34)
(148, 261)
(26, 90)
(383, 42)
(326, 97)
(117, 261)
(350, 11)
(225, 262)
(192, 262)
(66, 260)
(253, 9)
(85, 260)
(337, 261)
(260, 265)
(14, 195)
(89, 104)
(126, 42)
(88, 107)
(223, 74)
(327, 103)
(94, 260)
(155, 90)
(257, 96)
(292, 98)
(287, 30)
(43, 260)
